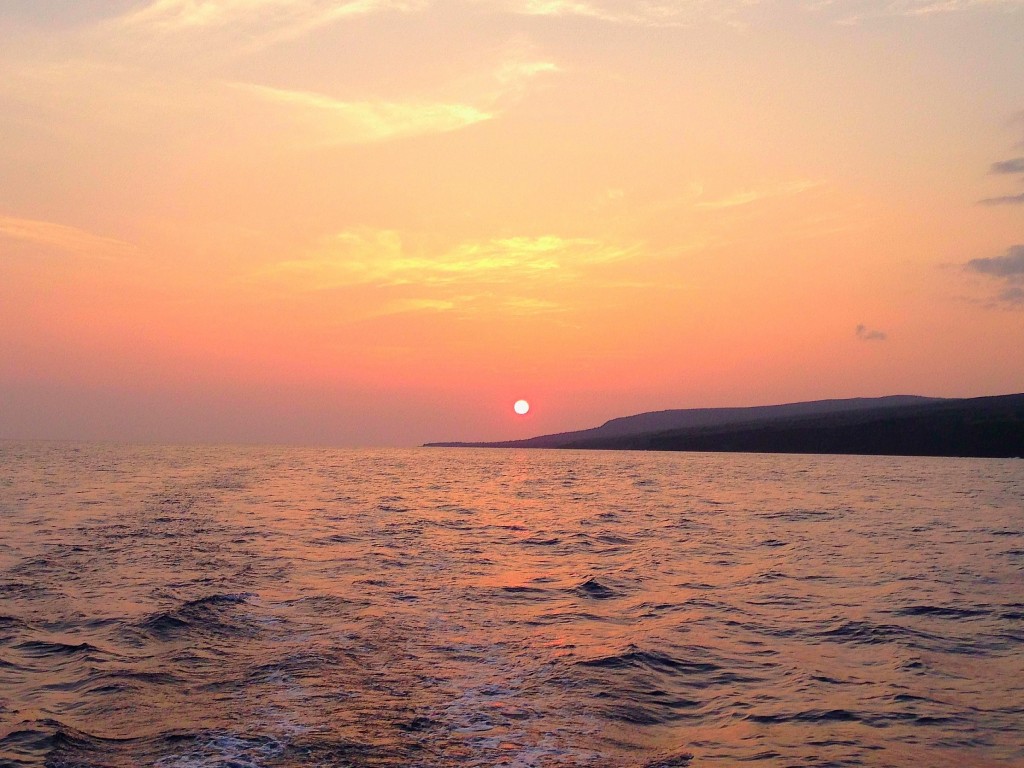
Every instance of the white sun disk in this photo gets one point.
(521, 407)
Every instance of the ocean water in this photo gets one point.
(189, 607)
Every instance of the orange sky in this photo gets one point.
(382, 221)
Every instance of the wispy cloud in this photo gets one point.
(1009, 265)
(515, 72)
(268, 21)
(1013, 165)
(262, 21)
(564, 8)
(911, 8)
(870, 334)
(511, 276)
(342, 121)
(64, 238)
(748, 196)
(735, 13)
(645, 13)
(1003, 200)
(379, 257)
(1008, 269)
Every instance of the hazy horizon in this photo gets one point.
(325, 439)
(381, 222)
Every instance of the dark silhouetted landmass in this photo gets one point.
(900, 425)
(661, 421)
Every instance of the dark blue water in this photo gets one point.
(246, 607)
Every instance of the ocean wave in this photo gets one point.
(43, 648)
(634, 657)
(942, 611)
(595, 590)
(865, 632)
(210, 614)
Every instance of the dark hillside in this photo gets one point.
(660, 421)
(982, 427)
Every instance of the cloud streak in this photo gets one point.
(735, 13)
(379, 257)
(677, 13)
(1009, 265)
(339, 121)
(748, 196)
(1008, 269)
(63, 238)
(1013, 165)
(1003, 200)
(917, 8)
(263, 21)
(284, 19)
(868, 334)
(367, 121)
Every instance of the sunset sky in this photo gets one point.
(381, 222)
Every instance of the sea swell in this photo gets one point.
(279, 608)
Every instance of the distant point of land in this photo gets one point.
(897, 425)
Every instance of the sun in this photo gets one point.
(521, 407)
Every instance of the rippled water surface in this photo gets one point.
(273, 607)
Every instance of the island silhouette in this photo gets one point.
(895, 425)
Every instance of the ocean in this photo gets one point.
(242, 607)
